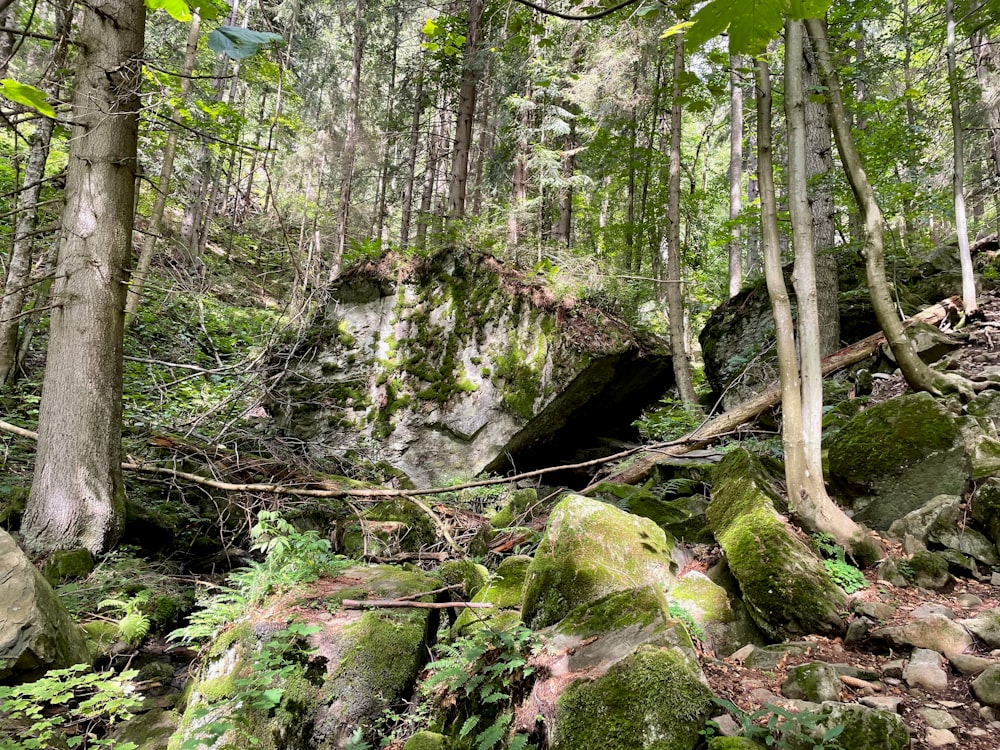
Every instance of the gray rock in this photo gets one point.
(938, 718)
(969, 664)
(986, 627)
(864, 728)
(940, 737)
(935, 632)
(723, 629)
(36, 631)
(924, 671)
(925, 610)
(986, 687)
(939, 512)
(768, 657)
(815, 681)
(968, 542)
(930, 570)
(889, 703)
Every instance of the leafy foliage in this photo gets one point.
(74, 706)
(669, 420)
(848, 577)
(781, 728)
(29, 96)
(134, 623)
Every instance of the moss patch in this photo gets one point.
(651, 700)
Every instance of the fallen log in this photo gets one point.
(399, 603)
(639, 468)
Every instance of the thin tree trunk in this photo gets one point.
(436, 138)
(148, 252)
(17, 283)
(919, 376)
(519, 180)
(466, 111)
(77, 496)
(735, 176)
(674, 294)
(350, 142)
(411, 159)
(958, 174)
(807, 492)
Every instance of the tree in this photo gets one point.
(465, 116)
(735, 176)
(77, 496)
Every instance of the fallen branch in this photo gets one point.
(725, 423)
(382, 603)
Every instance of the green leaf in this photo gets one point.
(29, 96)
(468, 726)
(677, 28)
(179, 10)
(239, 43)
(489, 737)
(209, 10)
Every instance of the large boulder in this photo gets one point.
(895, 457)
(36, 631)
(591, 549)
(785, 586)
(455, 365)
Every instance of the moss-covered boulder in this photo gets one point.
(428, 741)
(682, 517)
(893, 458)
(504, 591)
(469, 575)
(591, 549)
(36, 631)
(67, 564)
(864, 728)
(651, 700)
(986, 508)
(734, 743)
(521, 507)
(321, 681)
(150, 730)
(785, 586)
(385, 529)
(722, 627)
(455, 364)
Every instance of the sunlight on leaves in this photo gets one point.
(29, 96)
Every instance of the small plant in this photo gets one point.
(669, 420)
(133, 623)
(777, 727)
(694, 629)
(848, 577)
(476, 678)
(70, 707)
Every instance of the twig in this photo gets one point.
(382, 603)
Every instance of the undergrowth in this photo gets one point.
(848, 577)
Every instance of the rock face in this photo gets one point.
(592, 549)
(454, 365)
(895, 457)
(36, 631)
(785, 586)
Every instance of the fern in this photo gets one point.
(491, 736)
(520, 742)
(133, 624)
(468, 726)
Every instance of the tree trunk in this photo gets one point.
(984, 54)
(406, 208)
(735, 176)
(674, 292)
(958, 174)
(77, 496)
(519, 180)
(919, 376)
(466, 112)
(18, 281)
(141, 271)
(350, 143)
(806, 493)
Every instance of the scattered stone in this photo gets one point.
(986, 687)
(917, 526)
(926, 610)
(937, 718)
(882, 702)
(858, 630)
(875, 610)
(969, 542)
(935, 632)
(726, 725)
(893, 668)
(986, 626)
(889, 573)
(940, 737)
(969, 664)
(930, 570)
(740, 655)
(924, 671)
(815, 681)
(970, 601)
(768, 657)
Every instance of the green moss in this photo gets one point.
(471, 576)
(651, 700)
(503, 591)
(384, 655)
(635, 607)
(520, 508)
(241, 632)
(734, 743)
(65, 565)
(427, 741)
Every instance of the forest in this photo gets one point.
(284, 275)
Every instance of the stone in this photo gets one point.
(986, 687)
(457, 364)
(889, 572)
(734, 743)
(768, 657)
(520, 508)
(935, 632)
(814, 681)
(925, 610)
(864, 728)
(504, 591)
(785, 586)
(940, 511)
(924, 671)
(889, 703)
(875, 610)
(938, 718)
(68, 564)
(940, 737)
(969, 601)
(650, 700)
(591, 549)
(723, 629)
(930, 570)
(969, 542)
(36, 631)
(894, 457)
(150, 730)
(969, 664)
(471, 576)
(425, 740)
(985, 505)
(986, 627)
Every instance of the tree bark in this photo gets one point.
(406, 209)
(148, 252)
(674, 292)
(919, 376)
(77, 496)
(958, 172)
(735, 176)
(466, 111)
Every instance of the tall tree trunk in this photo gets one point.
(984, 53)
(77, 496)
(435, 149)
(519, 180)
(675, 293)
(561, 232)
(406, 209)
(350, 142)
(466, 111)
(735, 176)
(969, 301)
(7, 14)
(919, 376)
(15, 290)
(148, 252)
(807, 491)
(819, 162)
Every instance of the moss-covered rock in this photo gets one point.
(67, 564)
(891, 459)
(387, 528)
(520, 508)
(814, 681)
(681, 517)
(504, 591)
(734, 743)
(930, 570)
(785, 586)
(591, 549)
(651, 700)
(151, 730)
(722, 627)
(864, 728)
(428, 741)
(986, 508)
(471, 576)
